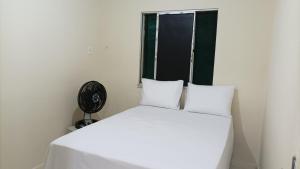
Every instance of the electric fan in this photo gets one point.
(91, 98)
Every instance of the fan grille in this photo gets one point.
(91, 97)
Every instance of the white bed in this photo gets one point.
(147, 137)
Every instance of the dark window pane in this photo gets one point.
(174, 46)
(149, 45)
(205, 43)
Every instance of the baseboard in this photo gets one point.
(39, 166)
(243, 165)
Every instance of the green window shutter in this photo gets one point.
(149, 45)
(205, 44)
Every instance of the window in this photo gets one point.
(179, 45)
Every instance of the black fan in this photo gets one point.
(91, 99)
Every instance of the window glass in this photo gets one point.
(174, 46)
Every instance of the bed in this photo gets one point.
(146, 137)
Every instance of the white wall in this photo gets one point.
(281, 125)
(44, 61)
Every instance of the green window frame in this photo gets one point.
(203, 45)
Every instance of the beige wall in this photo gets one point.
(0, 92)
(283, 108)
(1, 14)
(44, 61)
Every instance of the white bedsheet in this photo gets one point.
(147, 138)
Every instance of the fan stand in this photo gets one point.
(87, 120)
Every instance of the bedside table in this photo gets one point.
(71, 129)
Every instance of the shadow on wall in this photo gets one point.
(242, 155)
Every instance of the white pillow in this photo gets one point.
(209, 99)
(161, 93)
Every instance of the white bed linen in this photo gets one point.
(147, 137)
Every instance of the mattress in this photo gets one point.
(147, 137)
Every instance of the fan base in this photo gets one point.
(83, 123)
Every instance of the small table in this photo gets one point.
(71, 128)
